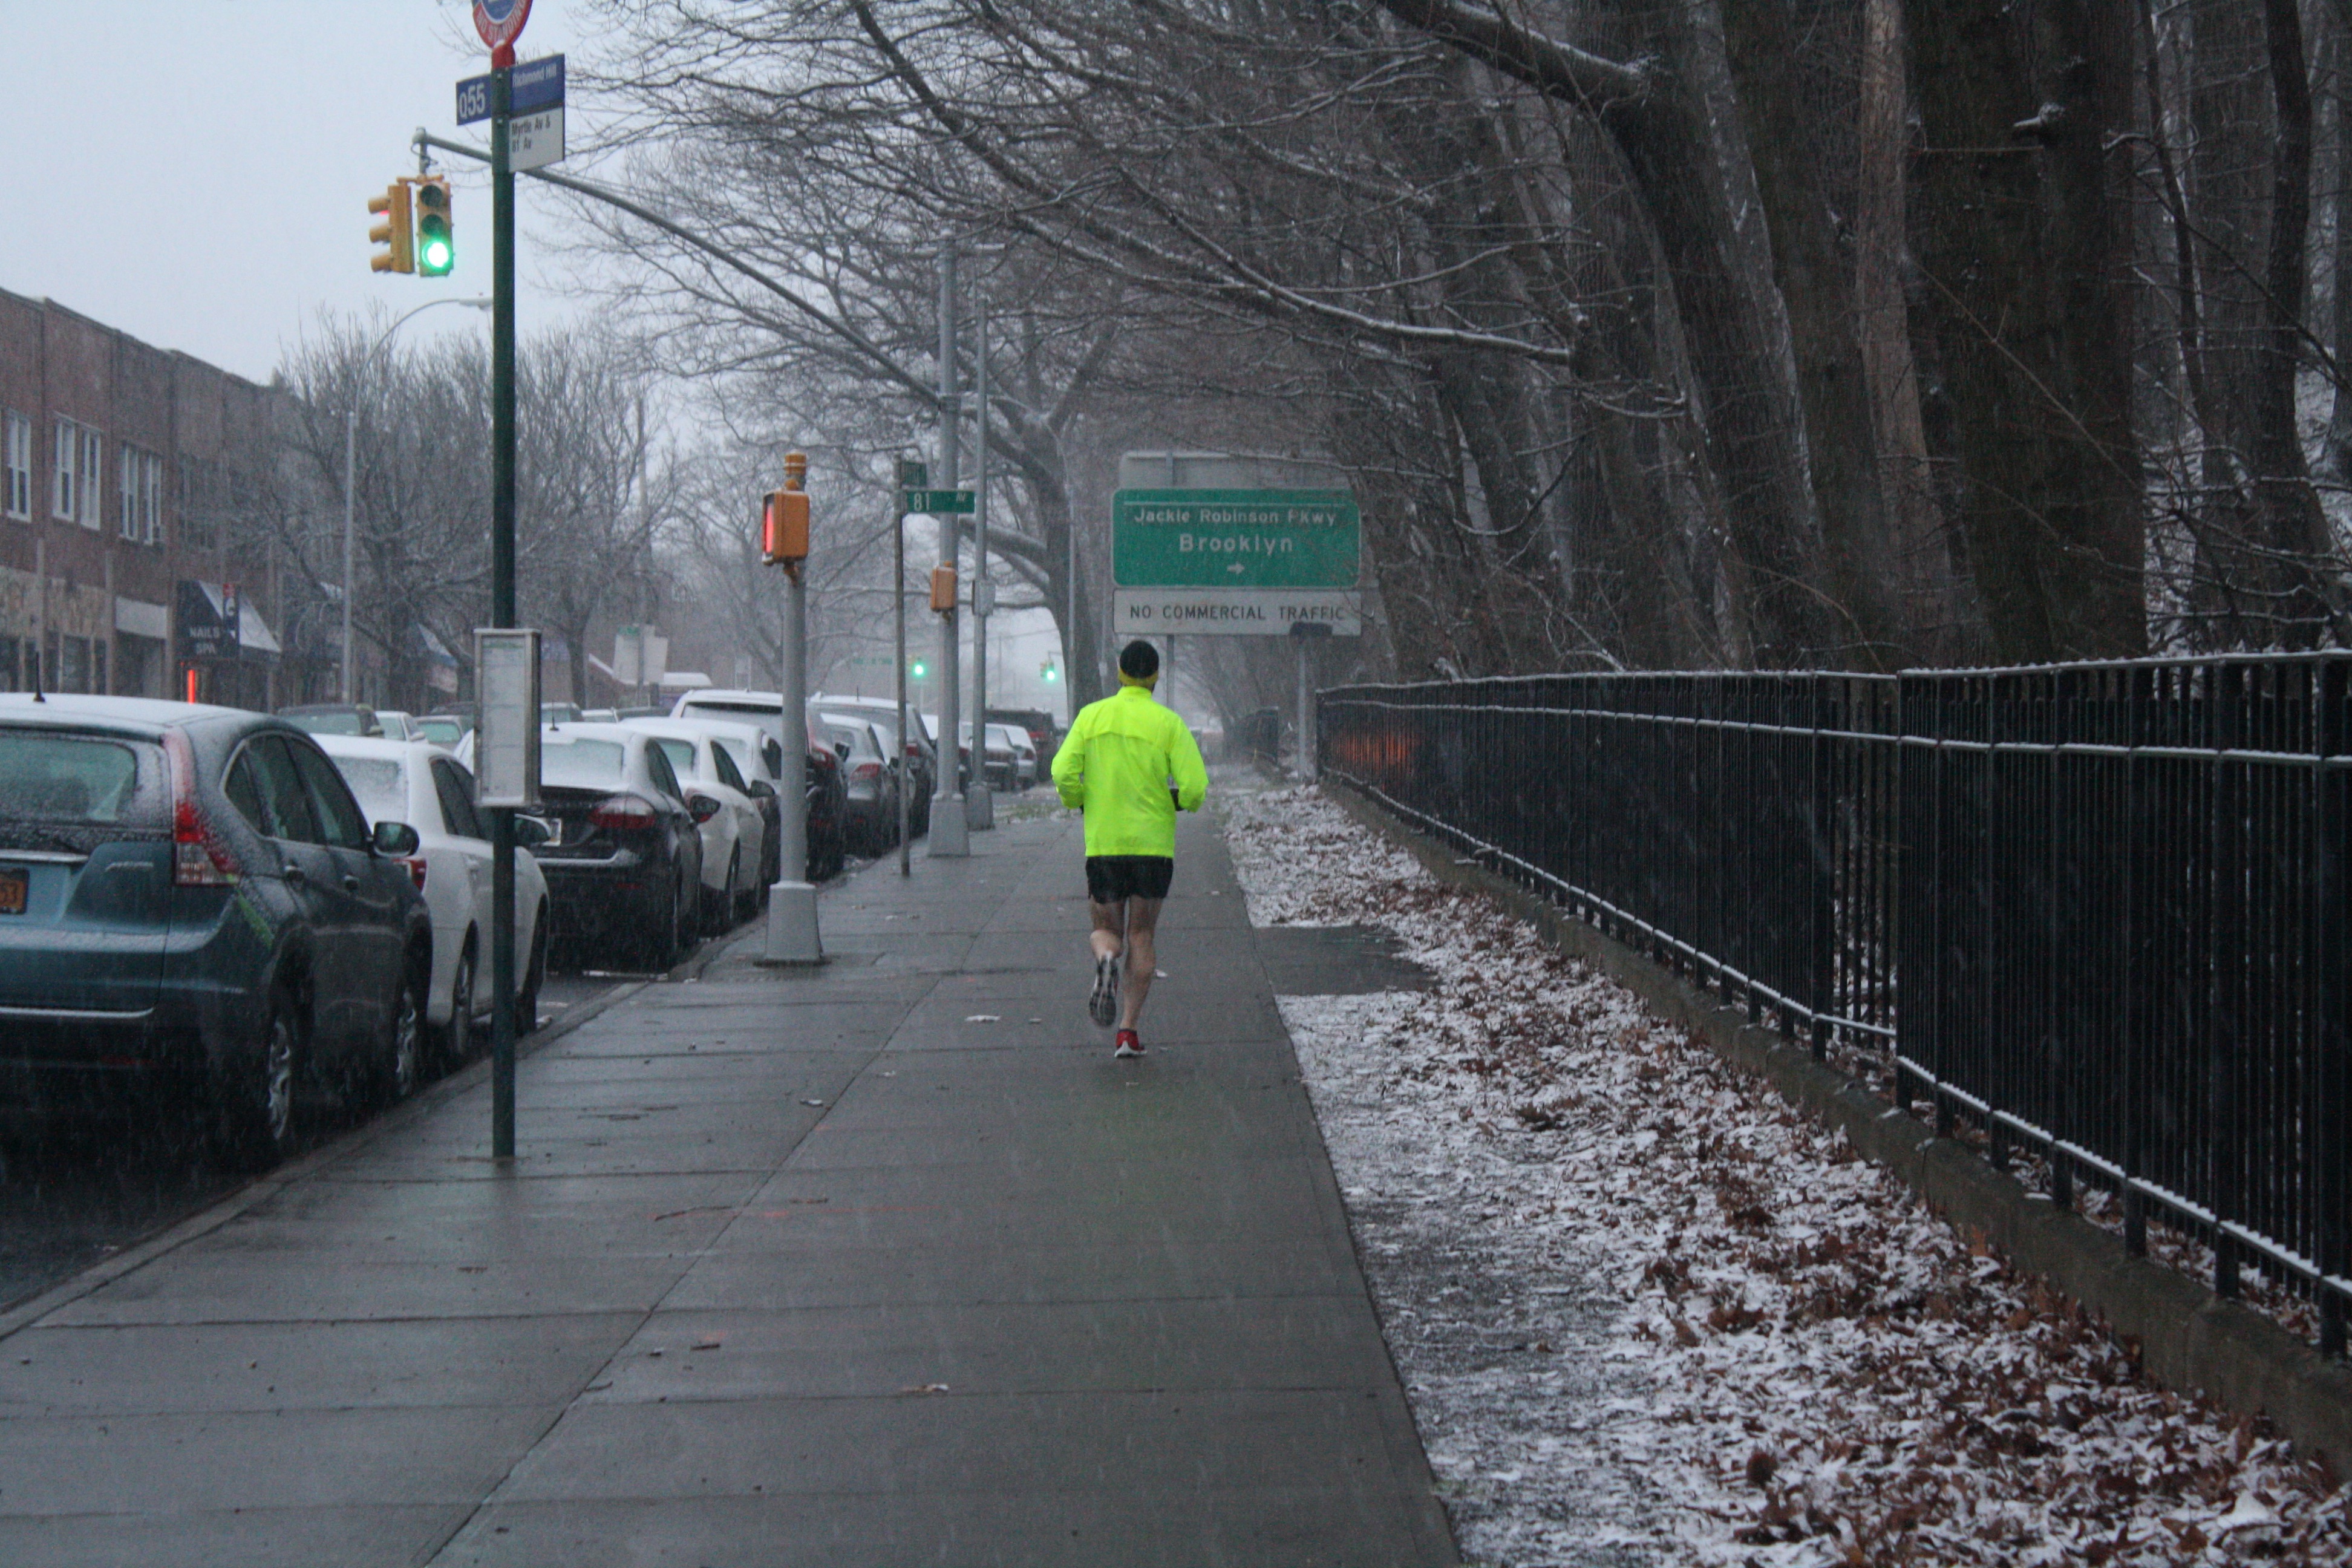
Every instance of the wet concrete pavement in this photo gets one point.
(886, 1262)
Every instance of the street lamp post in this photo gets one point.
(351, 464)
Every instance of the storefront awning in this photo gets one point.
(217, 622)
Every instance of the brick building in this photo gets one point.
(137, 487)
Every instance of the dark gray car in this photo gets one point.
(189, 895)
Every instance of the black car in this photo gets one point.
(624, 868)
(189, 896)
(870, 779)
(828, 812)
(1039, 726)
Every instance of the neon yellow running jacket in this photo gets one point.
(1117, 764)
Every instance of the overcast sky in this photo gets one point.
(197, 171)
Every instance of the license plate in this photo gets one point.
(14, 881)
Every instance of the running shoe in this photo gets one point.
(1102, 1005)
(1130, 1044)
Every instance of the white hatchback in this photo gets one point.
(422, 785)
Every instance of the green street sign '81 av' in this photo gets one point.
(1234, 538)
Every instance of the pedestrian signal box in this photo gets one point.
(784, 527)
(943, 590)
(396, 232)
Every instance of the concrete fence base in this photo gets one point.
(2190, 1340)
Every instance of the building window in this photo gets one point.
(140, 503)
(65, 470)
(16, 477)
(93, 470)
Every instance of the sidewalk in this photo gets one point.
(884, 1263)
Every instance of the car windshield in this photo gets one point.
(559, 713)
(583, 764)
(680, 754)
(335, 724)
(80, 779)
(380, 783)
(441, 731)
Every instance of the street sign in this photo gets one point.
(1236, 612)
(500, 21)
(939, 503)
(536, 85)
(534, 141)
(1235, 539)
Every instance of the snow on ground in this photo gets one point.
(1647, 1313)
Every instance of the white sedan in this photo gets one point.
(734, 837)
(422, 785)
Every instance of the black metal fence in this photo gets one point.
(2097, 909)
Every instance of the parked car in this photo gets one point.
(997, 756)
(826, 803)
(190, 894)
(1023, 771)
(392, 724)
(624, 868)
(869, 779)
(446, 727)
(334, 719)
(1043, 734)
(753, 749)
(422, 785)
(921, 774)
(734, 837)
(765, 707)
(601, 715)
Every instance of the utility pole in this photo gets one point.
(502, 590)
(907, 471)
(981, 802)
(350, 465)
(792, 931)
(951, 833)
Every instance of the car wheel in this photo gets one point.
(256, 1093)
(406, 1062)
(527, 1001)
(457, 1035)
(662, 947)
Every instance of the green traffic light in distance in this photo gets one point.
(435, 255)
(918, 669)
(435, 251)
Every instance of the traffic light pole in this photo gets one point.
(502, 602)
(981, 801)
(951, 830)
(898, 636)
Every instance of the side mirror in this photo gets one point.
(841, 747)
(761, 789)
(702, 808)
(394, 839)
(530, 832)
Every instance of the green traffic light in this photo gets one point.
(434, 256)
(918, 669)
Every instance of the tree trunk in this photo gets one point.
(1826, 339)
(2025, 255)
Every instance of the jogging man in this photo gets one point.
(1128, 763)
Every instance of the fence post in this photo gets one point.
(1821, 828)
(2325, 1144)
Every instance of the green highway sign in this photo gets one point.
(938, 504)
(1235, 539)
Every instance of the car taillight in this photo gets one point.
(621, 813)
(869, 770)
(415, 864)
(199, 857)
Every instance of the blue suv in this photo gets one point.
(190, 895)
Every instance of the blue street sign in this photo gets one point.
(538, 85)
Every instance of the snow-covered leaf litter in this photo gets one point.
(1647, 1313)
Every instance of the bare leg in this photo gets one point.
(1143, 921)
(1107, 937)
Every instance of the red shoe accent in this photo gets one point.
(1129, 1044)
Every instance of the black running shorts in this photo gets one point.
(1115, 879)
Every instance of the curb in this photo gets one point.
(2189, 1339)
(204, 1221)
